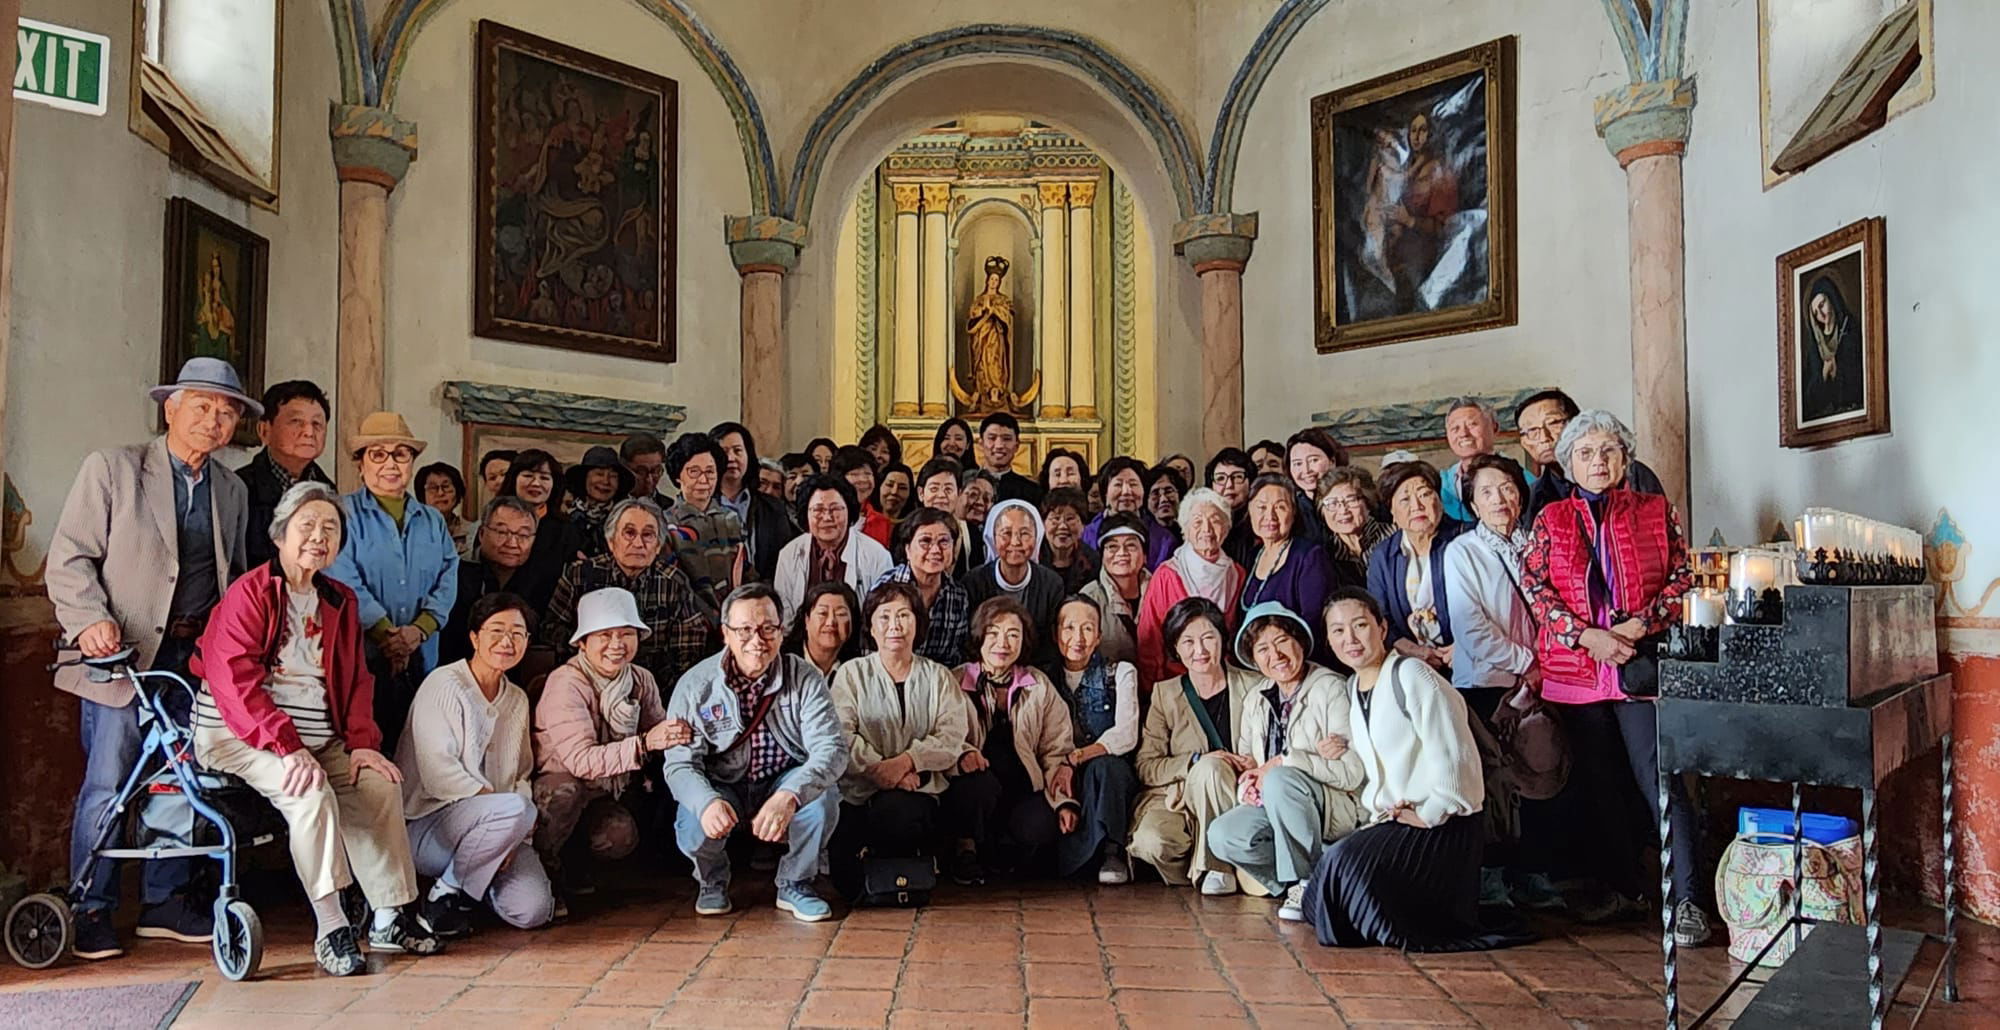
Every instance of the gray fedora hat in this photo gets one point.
(210, 375)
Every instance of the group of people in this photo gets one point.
(1268, 674)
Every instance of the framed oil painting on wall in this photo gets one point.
(213, 300)
(576, 198)
(1833, 348)
(1413, 201)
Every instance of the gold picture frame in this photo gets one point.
(1833, 337)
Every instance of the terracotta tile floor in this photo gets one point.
(1036, 956)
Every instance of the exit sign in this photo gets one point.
(61, 67)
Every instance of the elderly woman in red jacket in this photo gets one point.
(286, 704)
(1604, 571)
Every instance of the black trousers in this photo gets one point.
(1013, 830)
(892, 824)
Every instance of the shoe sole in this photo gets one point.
(723, 911)
(161, 933)
(803, 917)
(97, 956)
(1291, 916)
(400, 950)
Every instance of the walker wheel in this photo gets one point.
(39, 928)
(239, 938)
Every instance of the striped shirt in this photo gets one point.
(297, 680)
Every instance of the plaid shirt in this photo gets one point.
(767, 754)
(682, 634)
(950, 618)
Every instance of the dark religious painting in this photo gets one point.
(214, 296)
(1833, 364)
(576, 198)
(1413, 201)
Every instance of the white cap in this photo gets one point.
(1397, 457)
(609, 608)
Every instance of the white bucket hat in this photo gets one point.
(609, 608)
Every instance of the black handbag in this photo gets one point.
(897, 882)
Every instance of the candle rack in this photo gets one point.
(1756, 607)
(1822, 567)
(1691, 643)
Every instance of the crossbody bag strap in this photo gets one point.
(1215, 741)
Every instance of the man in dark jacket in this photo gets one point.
(1541, 419)
(999, 439)
(767, 523)
(294, 433)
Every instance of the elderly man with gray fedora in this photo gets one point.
(149, 539)
(399, 559)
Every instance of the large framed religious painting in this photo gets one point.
(576, 198)
(1413, 202)
(1833, 347)
(213, 300)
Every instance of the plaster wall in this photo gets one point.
(1574, 313)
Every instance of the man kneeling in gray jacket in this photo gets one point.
(766, 737)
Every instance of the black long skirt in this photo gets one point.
(1399, 886)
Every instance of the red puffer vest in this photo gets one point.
(1637, 524)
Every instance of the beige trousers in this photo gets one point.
(341, 833)
(1173, 838)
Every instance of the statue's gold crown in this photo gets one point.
(996, 265)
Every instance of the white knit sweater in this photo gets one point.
(1421, 751)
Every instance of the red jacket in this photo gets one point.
(236, 650)
(1648, 574)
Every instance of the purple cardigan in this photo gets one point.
(1160, 542)
(1301, 584)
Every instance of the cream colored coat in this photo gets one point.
(1173, 736)
(1321, 709)
(928, 722)
(1043, 736)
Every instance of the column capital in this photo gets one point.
(1081, 194)
(763, 243)
(1054, 194)
(1646, 119)
(370, 144)
(937, 197)
(1213, 241)
(908, 196)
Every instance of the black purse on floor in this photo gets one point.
(897, 882)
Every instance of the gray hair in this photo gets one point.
(1596, 420)
(1460, 403)
(1198, 497)
(298, 496)
(511, 503)
(643, 504)
(771, 464)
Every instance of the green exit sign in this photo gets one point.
(61, 67)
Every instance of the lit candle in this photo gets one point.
(1799, 533)
(1704, 607)
(1753, 570)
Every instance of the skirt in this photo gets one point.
(1402, 887)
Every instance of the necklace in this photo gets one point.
(1250, 599)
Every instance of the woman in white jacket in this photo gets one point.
(1410, 879)
(832, 547)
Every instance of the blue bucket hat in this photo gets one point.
(1261, 610)
(210, 375)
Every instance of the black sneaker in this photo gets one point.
(93, 936)
(178, 919)
(966, 870)
(406, 933)
(448, 918)
(339, 953)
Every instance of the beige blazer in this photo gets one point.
(1173, 736)
(927, 722)
(115, 552)
(1043, 736)
(1320, 709)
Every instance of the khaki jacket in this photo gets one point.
(1043, 736)
(928, 722)
(1173, 736)
(1322, 708)
(115, 552)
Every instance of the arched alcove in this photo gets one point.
(1166, 340)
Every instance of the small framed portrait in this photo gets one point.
(1413, 202)
(217, 284)
(1833, 327)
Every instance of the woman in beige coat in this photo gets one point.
(906, 727)
(1303, 790)
(1185, 761)
(1011, 797)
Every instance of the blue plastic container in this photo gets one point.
(1819, 828)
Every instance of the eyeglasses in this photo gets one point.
(1546, 431)
(519, 536)
(696, 472)
(825, 510)
(1590, 454)
(1332, 503)
(926, 544)
(1221, 478)
(766, 631)
(385, 455)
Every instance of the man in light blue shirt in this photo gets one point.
(1471, 428)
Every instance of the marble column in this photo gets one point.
(10, 16)
(937, 315)
(765, 249)
(905, 367)
(1218, 247)
(1082, 301)
(372, 149)
(1052, 343)
(1646, 125)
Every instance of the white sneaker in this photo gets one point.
(1217, 884)
(1115, 869)
(1293, 910)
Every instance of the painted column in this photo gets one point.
(1218, 247)
(937, 314)
(1646, 126)
(372, 149)
(904, 389)
(10, 16)
(1051, 344)
(765, 249)
(1082, 301)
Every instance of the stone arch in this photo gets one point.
(1179, 152)
(1034, 225)
(1225, 143)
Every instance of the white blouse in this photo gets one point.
(1492, 627)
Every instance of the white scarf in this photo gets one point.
(616, 700)
(1215, 580)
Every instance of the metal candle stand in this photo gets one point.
(1756, 607)
(1822, 567)
(1691, 643)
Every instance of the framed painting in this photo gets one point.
(576, 198)
(213, 300)
(1413, 202)
(1833, 347)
